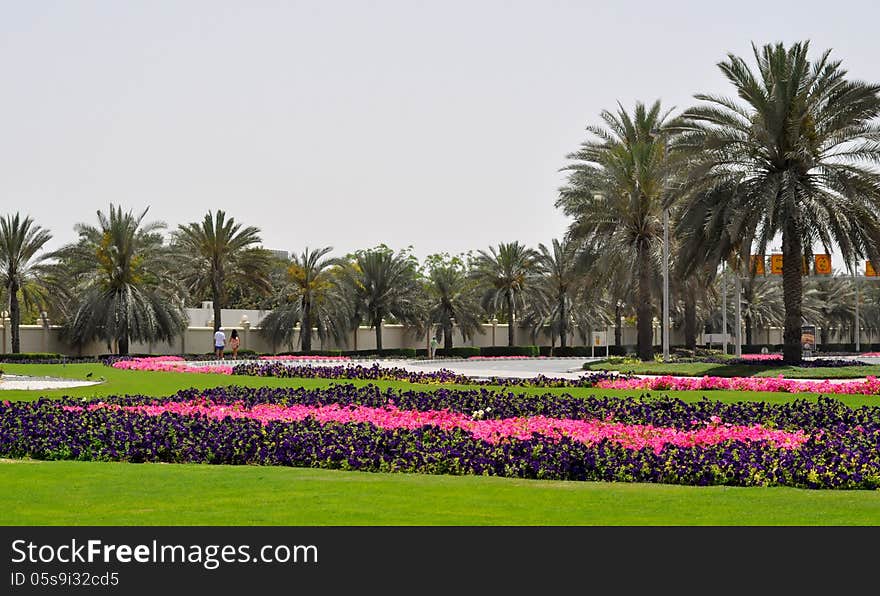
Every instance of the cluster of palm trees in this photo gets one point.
(791, 158)
(122, 280)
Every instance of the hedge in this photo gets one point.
(510, 351)
(461, 352)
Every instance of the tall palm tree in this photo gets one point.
(20, 241)
(791, 153)
(218, 250)
(506, 273)
(311, 298)
(562, 275)
(617, 189)
(381, 284)
(453, 299)
(123, 294)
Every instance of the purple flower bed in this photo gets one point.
(378, 373)
(842, 449)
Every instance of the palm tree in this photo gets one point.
(616, 192)
(311, 297)
(217, 251)
(381, 284)
(505, 273)
(123, 294)
(20, 240)
(791, 156)
(830, 303)
(562, 276)
(453, 299)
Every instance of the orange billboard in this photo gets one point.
(756, 264)
(822, 264)
(869, 269)
(776, 264)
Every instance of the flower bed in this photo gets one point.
(170, 364)
(820, 444)
(393, 373)
(306, 357)
(869, 386)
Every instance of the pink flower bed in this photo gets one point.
(870, 386)
(631, 436)
(761, 357)
(295, 357)
(170, 364)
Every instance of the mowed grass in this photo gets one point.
(102, 493)
(81, 493)
(699, 369)
(127, 382)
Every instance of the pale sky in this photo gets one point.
(441, 125)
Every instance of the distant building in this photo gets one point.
(281, 254)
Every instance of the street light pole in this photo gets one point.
(666, 284)
(738, 311)
(858, 326)
(724, 307)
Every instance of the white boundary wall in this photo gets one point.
(199, 339)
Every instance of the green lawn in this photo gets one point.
(122, 382)
(79, 493)
(98, 493)
(699, 369)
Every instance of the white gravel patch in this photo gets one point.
(22, 382)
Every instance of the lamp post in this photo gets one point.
(724, 307)
(666, 284)
(858, 326)
(494, 324)
(738, 310)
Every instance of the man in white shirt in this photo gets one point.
(219, 343)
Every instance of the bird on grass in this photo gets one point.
(89, 375)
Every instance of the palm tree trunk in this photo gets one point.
(378, 325)
(644, 309)
(563, 329)
(792, 293)
(306, 327)
(447, 337)
(690, 320)
(122, 342)
(618, 325)
(748, 320)
(215, 297)
(14, 317)
(509, 320)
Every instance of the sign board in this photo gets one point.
(776, 264)
(822, 264)
(869, 269)
(599, 338)
(756, 264)
(808, 338)
(716, 338)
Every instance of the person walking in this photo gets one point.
(234, 343)
(219, 343)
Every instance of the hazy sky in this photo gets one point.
(440, 125)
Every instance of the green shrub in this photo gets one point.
(312, 353)
(510, 351)
(31, 356)
(461, 352)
